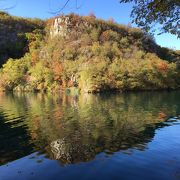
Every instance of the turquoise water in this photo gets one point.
(117, 136)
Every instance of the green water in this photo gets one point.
(119, 136)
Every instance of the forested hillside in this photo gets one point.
(13, 40)
(88, 54)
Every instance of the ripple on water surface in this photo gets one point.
(119, 136)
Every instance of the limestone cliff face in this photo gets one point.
(63, 25)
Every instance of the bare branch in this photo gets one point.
(61, 9)
(8, 7)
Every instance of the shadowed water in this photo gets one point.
(117, 136)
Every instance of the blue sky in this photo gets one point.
(104, 9)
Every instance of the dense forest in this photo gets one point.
(82, 53)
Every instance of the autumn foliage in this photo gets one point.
(94, 56)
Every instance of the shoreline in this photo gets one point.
(77, 91)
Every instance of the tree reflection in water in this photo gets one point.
(76, 128)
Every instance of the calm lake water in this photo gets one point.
(117, 136)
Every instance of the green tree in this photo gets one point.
(14, 72)
(41, 77)
(165, 12)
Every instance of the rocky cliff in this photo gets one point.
(63, 25)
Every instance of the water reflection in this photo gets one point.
(75, 129)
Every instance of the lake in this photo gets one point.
(134, 135)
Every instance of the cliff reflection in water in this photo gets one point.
(75, 129)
